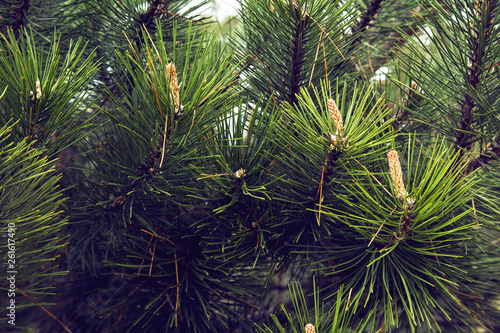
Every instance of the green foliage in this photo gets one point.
(312, 161)
(111, 25)
(30, 225)
(419, 238)
(335, 319)
(198, 179)
(287, 47)
(44, 98)
(142, 185)
(459, 87)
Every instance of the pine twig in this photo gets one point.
(44, 309)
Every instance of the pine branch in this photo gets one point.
(464, 137)
(282, 50)
(195, 187)
(30, 223)
(47, 96)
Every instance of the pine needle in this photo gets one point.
(44, 309)
(315, 58)
(164, 140)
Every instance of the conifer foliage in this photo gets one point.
(156, 179)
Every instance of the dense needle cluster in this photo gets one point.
(150, 220)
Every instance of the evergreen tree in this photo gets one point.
(159, 177)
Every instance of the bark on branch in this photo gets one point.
(368, 16)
